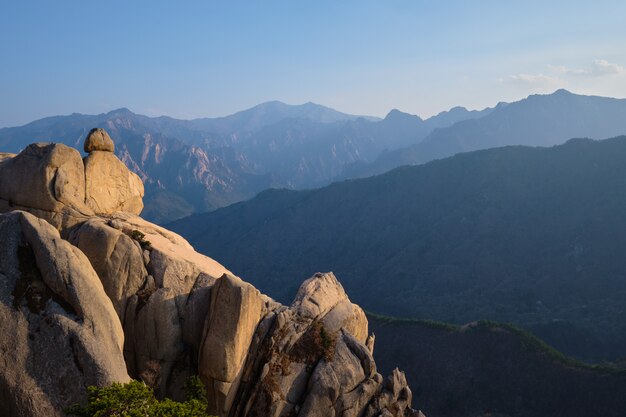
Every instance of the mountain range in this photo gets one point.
(539, 120)
(527, 235)
(199, 165)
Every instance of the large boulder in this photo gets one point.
(117, 258)
(322, 297)
(47, 179)
(61, 333)
(110, 186)
(234, 312)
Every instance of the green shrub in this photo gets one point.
(194, 388)
(141, 238)
(136, 399)
(327, 342)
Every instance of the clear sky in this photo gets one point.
(202, 58)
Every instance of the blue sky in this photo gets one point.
(200, 58)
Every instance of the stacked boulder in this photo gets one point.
(109, 186)
(54, 182)
(181, 312)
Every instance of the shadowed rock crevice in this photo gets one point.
(30, 288)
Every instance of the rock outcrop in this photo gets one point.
(160, 288)
(181, 312)
(109, 185)
(116, 257)
(53, 182)
(309, 359)
(60, 331)
(48, 180)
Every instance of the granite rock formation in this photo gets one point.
(53, 182)
(60, 331)
(182, 313)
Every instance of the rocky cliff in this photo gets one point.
(93, 294)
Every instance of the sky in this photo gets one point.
(189, 59)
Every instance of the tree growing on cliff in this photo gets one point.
(136, 399)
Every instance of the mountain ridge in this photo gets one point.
(485, 368)
(538, 120)
(202, 164)
(458, 239)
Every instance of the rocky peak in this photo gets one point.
(119, 297)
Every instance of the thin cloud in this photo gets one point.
(598, 68)
(534, 80)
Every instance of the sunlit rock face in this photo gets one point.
(96, 294)
(111, 187)
(52, 181)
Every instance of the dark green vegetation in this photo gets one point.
(532, 236)
(31, 290)
(141, 239)
(136, 399)
(317, 342)
(485, 368)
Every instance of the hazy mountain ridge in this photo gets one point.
(526, 235)
(196, 169)
(202, 164)
(539, 120)
(272, 112)
(198, 165)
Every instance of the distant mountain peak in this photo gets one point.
(562, 92)
(122, 111)
(277, 105)
(270, 103)
(396, 114)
